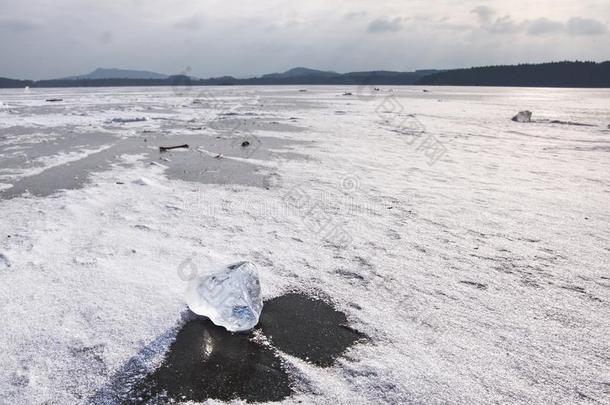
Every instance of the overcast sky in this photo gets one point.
(55, 38)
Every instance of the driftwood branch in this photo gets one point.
(166, 148)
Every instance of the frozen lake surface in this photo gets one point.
(472, 251)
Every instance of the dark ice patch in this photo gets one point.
(190, 165)
(206, 361)
(307, 328)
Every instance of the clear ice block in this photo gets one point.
(231, 298)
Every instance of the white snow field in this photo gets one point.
(473, 251)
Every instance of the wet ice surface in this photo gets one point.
(205, 361)
(41, 160)
(480, 277)
(208, 160)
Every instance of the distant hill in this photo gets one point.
(556, 74)
(13, 84)
(299, 72)
(304, 76)
(104, 73)
(384, 77)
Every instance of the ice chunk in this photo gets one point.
(523, 116)
(143, 181)
(231, 298)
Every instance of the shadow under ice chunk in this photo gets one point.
(206, 361)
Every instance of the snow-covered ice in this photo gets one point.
(231, 297)
(472, 250)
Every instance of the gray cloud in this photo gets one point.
(355, 15)
(191, 23)
(503, 25)
(543, 26)
(575, 26)
(385, 24)
(106, 38)
(485, 13)
(44, 39)
(17, 25)
(585, 26)
(497, 25)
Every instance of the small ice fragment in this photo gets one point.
(84, 260)
(231, 298)
(523, 116)
(143, 181)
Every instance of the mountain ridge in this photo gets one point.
(116, 73)
(551, 74)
